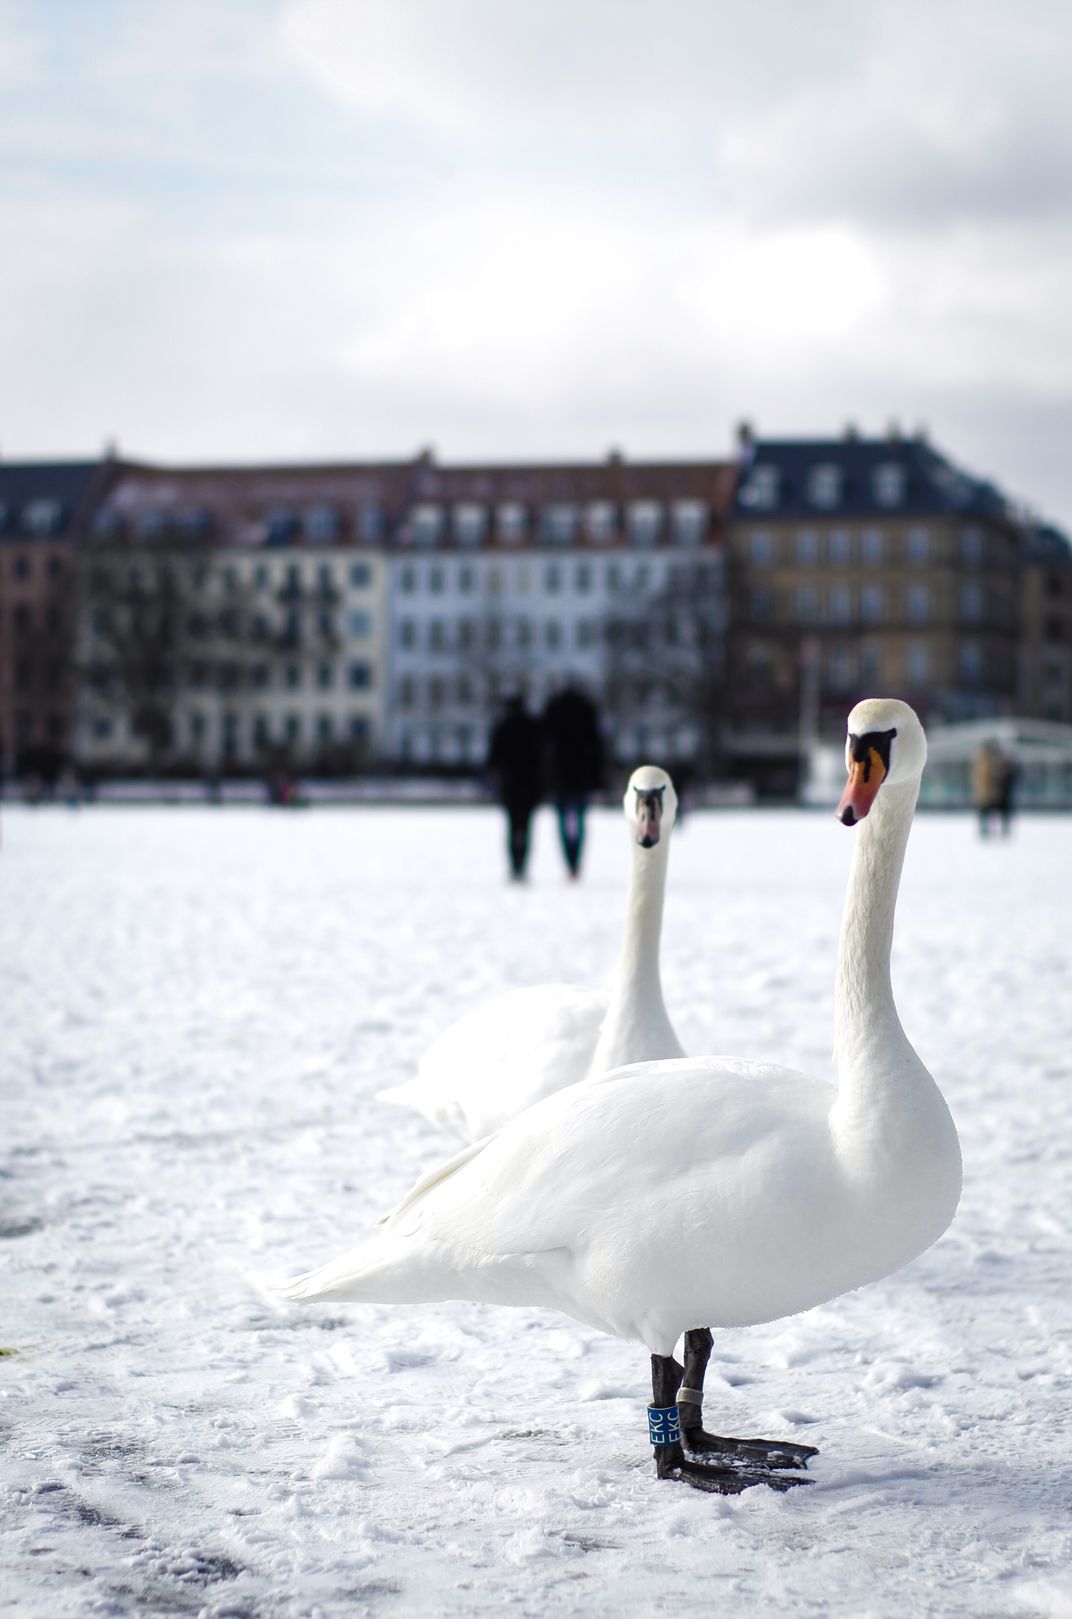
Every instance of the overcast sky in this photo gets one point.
(258, 229)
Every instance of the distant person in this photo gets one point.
(993, 787)
(515, 765)
(574, 765)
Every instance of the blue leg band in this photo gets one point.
(664, 1425)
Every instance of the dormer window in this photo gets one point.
(151, 523)
(322, 524)
(888, 483)
(761, 491)
(645, 521)
(426, 524)
(42, 517)
(512, 522)
(600, 520)
(280, 526)
(824, 486)
(470, 523)
(371, 523)
(559, 524)
(690, 522)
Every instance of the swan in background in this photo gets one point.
(503, 1056)
(705, 1189)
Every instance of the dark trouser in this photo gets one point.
(571, 830)
(519, 818)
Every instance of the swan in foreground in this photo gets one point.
(705, 1189)
(503, 1056)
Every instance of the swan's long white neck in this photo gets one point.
(636, 1027)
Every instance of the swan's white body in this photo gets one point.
(705, 1190)
(503, 1056)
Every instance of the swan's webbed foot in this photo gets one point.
(761, 1452)
(672, 1463)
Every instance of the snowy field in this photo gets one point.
(197, 1008)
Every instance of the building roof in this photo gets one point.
(29, 488)
(860, 477)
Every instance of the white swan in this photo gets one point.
(503, 1056)
(705, 1189)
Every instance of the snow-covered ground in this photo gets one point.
(197, 1006)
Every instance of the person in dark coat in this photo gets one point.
(575, 765)
(515, 764)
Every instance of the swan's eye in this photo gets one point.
(872, 744)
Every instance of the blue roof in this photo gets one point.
(929, 483)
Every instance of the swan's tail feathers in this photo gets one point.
(427, 1100)
(385, 1270)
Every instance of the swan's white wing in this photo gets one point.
(500, 1058)
(661, 1196)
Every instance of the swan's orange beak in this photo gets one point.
(866, 776)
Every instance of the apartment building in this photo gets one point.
(861, 565)
(44, 508)
(231, 616)
(1046, 649)
(518, 578)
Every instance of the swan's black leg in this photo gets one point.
(771, 1452)
(670, 1459)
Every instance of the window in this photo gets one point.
(888, 484)
(407, 633)
(971, 602)
(971, 663)
(840, 604)
(614, 578)
(582, 577)
(870, 665)
(807, 604)
(466, 578)
(292, 728)
(641, 576)
(280, 526)
(426, 524)
(324, 728)
(918, 603)
(689, 522)
(407, 579)
(523, 633)
(325, 577)
(872, 603)
(55, 567)
(436, 636)
(553, 634)
(824, 486)
(260, 577)
(601, 520)
(872, 549)
(918, 545)
(371, 524)
(559, 524)
(466, 633)
(406, 691)
(645, 520)
(806, 547)
(359, 730)
(21, 567)
(840, 668)
(470, 523)
(760, 492)
(512, 522)
(42, 517)
(293, 676)
(839, 547)
(360, 575)
(972, 545)
(322, 524)
(552, 578)
(325, 623)
(761, 548)
(761, 602)
(325, 676)
(359, 625)
(360, 676)
(494, 581)
(435, 580)
(917, 664)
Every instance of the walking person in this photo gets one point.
(515, 764)
(575, 765)
(993, 785)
